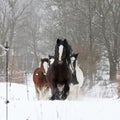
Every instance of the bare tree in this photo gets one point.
(108, 14)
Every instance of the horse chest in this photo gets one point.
(60, 74)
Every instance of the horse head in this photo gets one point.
(51, 59)
(45, 65)
(73, 65)
(62, 51)
(73, 60)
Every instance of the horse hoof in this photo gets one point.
(55, 98)
(64, 97)
(52, 98)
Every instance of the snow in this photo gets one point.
(24, 106)
(103, 90)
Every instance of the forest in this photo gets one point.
(92, 28)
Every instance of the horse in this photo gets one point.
(39, 78)
(51, 59)
(73, 59)
(77, 74)
(59, 73)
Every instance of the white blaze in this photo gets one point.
(71, 65)
(39, 64)
(45, 65)
(51, 60)
(60, 52)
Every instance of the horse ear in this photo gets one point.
(65, 40)
(58, 41)
(77, 54)
(50, 56)
(41, 60)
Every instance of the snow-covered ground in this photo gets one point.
(103, 89)
(24, 105)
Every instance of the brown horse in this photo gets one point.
(39, 79)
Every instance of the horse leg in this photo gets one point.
(43, 93)
(37, 92)
(65, 91)
(78, 89)
(55, 92)
(46, 92)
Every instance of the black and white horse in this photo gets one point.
(77, 75)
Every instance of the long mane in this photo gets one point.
(69, 50)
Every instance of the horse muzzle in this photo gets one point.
(60, 62)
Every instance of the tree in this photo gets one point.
(108, 14)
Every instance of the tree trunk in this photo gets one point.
(35, 52)
(90, 45)
(113, 70)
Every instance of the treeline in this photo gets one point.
(92, 27)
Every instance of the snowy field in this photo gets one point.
(24, 106)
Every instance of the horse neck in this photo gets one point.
(77, 68)
(76, 65)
